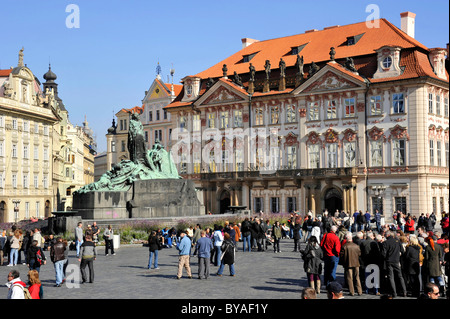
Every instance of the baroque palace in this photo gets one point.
(352, 117)
(43, 157)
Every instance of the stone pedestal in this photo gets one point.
(266, 87)
(282, 84)
(145, 199)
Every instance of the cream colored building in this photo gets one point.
(27, 116)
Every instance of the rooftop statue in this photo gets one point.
(143, 164)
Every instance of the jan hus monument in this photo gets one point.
(145, 186)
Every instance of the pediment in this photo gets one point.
(330, 79)
(220, 94)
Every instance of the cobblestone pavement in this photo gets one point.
(259, 275)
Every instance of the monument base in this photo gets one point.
(145, 199)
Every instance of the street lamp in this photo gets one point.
(16, 203)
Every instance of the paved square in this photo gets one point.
(259, 275)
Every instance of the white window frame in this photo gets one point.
(398, 152)
(430, 103)
(431, 147)
(314, 155)
(291, 157)
(398, 104)
(376, 107)
(376, 153)
(332, 155)
(314, 111)
(349, 105)
(331, 109)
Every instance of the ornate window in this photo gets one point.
(438, 153)
(212, 120)
(430, 103)
(212, 162)
(376, 153)
(259, 116)
(237, 118)
(196, 123)
(350, 154)
(398, 149)
(446, 106)
(387, 62)
(274, 115)
(314, 156)
(431, 152)
(239, 160)
(224, 119)
(14, 151)
(182, 123)
(332, 155)
(290, 114)
(398, 103)
(331, 110)
(375, 105)
(291, 157)
(313, 114)
(438, 105)
(447, 159)
(349, 107)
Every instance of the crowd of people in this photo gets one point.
(408, 254)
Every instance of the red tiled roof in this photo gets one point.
(136, 109)
(317, 47)
(5, 72)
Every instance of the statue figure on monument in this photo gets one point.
(282, 66)
(350, 65)
(299, 65)
(252, 72)
(267, 69)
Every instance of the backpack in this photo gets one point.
(39, 257)
(26, 293)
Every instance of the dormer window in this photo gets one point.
(296, 50)
(388, 58)
(387, 62)
(248, 57)
(352, 40)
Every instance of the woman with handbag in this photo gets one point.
(227, 255)
(312, 257)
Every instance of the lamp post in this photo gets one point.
(16, 203)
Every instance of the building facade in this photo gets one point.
(346, 118)
(27, 116)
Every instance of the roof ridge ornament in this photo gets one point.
(20, 63)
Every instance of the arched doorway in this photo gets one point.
(2, 211)
(333, 200)
(224, 201)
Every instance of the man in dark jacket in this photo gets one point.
(392, 249)
(58, 258)
(246, 234)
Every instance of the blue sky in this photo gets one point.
(110, 60)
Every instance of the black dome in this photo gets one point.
(50, 76)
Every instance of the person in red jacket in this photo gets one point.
(409, 225)
(35, 284)
(331, 247)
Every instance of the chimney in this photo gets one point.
(247, 41)
(408, 22)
